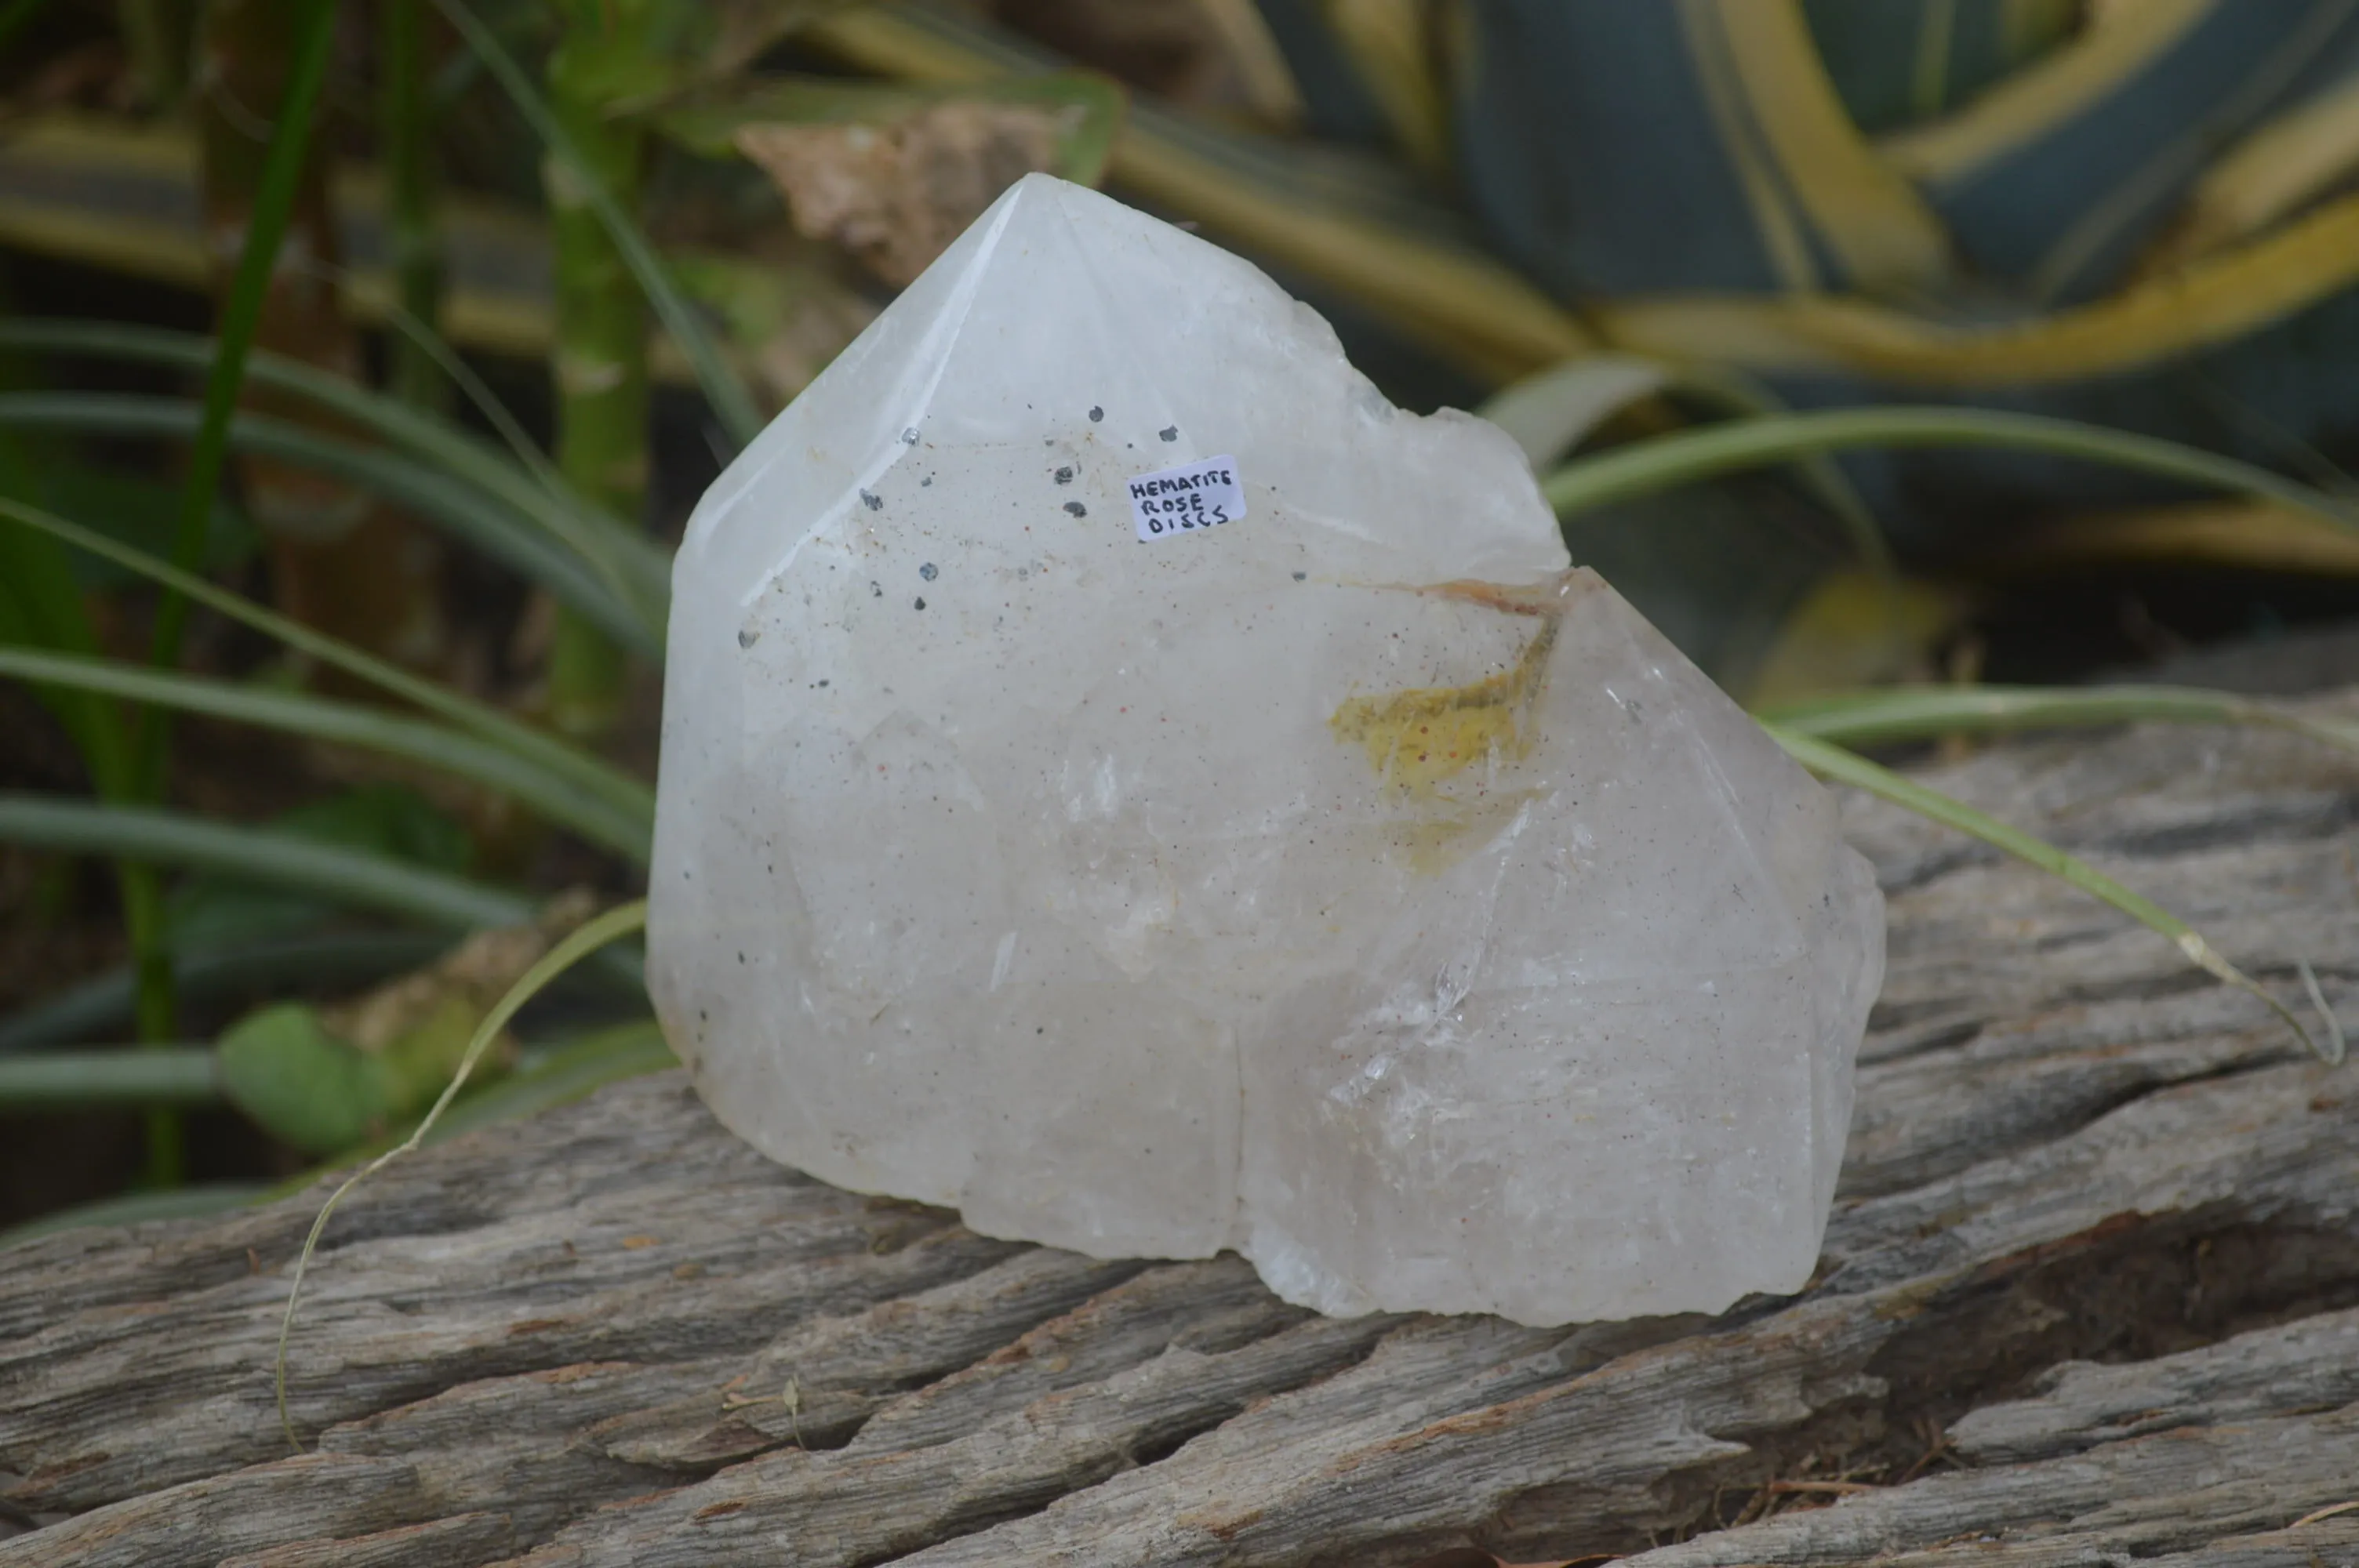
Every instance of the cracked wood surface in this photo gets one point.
(2090, 1292)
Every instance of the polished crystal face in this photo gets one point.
(1345, 881)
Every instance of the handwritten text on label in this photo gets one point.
(1186, 500)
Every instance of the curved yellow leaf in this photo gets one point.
(2213, 301)
(2248, 535)
(1873, 220)
(2278, 169)
(2120, 41)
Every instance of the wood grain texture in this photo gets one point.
(2090, 1292)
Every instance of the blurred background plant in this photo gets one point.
(361, 360)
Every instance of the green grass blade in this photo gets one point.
(555, 797)
(313, 37)
(732, 404)
(2337, 1047)
(561, 1076)
(102, 1002)
(1552, 412)
(1664, 462)
(477, 718)
(329, 871)
(124, 1076)
(1847, 767)
(597, 589)
(1729, 389)
(1894, 715)
(437, 350)
(636, 567)
(314, 31)
(406, 150)
(584, 941)
(41, 606)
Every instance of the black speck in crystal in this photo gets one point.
(1300, 575)
(1077, 509)
(921, 603)
(874, 502)
(1064, 476)
(1170, 432)
(822, 683)
(1096, 414)
(747, 637)
(926, 482)
(929, 571)
(875, 590)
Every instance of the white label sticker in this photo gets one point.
(1186, 500)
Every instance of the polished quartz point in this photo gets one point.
(1340, 879)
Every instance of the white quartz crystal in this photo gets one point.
(1349, 884)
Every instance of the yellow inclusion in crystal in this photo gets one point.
(1419, 736)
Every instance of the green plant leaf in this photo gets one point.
(732, 404)
(634, 567)
(221, 909)
(1847, 767)
(407, 149)
(478, 719)
(557, 799)
(139, 509)
(206, 975)
(329, 873)
(478, 518)
(274, 205)
(1731, 390)
(1664, 462)
(346, 878)
(111, 1078)
(41, 607)
(1553, 412)
(300, 1084)
(548, 1075)
(1899, 714)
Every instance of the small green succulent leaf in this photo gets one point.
(298, 1082)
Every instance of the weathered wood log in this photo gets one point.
(2087, 1295)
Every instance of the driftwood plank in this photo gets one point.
(2089, 1294)
(2200, 1453)
(2309, 1365)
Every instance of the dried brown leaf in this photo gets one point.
(897, 195)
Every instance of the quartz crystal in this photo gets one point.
(1347, 881)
